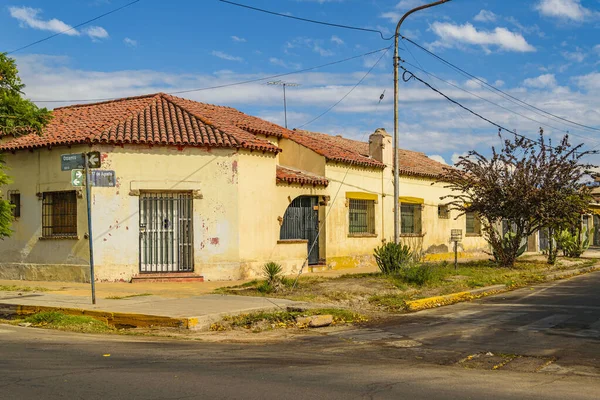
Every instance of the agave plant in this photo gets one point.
(272, 271)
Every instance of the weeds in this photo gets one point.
(74, 323)
(128, 296)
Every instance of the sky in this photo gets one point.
(543, 52)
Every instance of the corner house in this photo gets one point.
(208, 191)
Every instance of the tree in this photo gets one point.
(18, 116)
(526, 186)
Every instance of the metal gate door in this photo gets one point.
(301, 221)
(166, 232)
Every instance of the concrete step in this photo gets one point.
(168, 277)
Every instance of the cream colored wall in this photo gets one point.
(32, 173)
(297, 156)
(215, 215)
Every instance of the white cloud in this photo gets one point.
(226, 56)
(485, 16)
(451, 35)
(438, 158)
(541, 82)
(597, 48)
(575, 56)
(499, 83)
(281, 63)
(337, 40)
(30, 17)
(589, 82)
(238, 39)
(303, 42)
(130, 42)
(96, 32)
(456, 157)
(474, 83)
(564, 9)
(409, 4)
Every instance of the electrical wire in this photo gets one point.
(228, 84)
(500, 92)
(307, 20)
(349, 92)
(74, 27)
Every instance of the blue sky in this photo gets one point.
(545, 52)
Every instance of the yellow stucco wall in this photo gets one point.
(297, 156)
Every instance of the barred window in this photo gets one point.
(362, 216)
(444, 211)
(473, 225)
(15, 200)
(410, 218)
(59, 214)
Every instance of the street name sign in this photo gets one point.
(103, 178)
(94, 159)
(69, 162)
(77, 178)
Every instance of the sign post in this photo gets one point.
(88, 196)
(456, 236)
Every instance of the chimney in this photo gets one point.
(380, 147)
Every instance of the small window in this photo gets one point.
(362, 216)
(59, 214)
(410, 218)
(473, 225)
(444, 211)
(15, 200)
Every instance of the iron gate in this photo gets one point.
(301, 221)
(166, 232)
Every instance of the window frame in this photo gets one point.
(14, 198)
(417, 223)
(361, 209)
(59, 215)
(476, 229)
(443, 214)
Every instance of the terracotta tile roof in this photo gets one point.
(157, 119)
(337, 148)
(334, 148)
(289, 175)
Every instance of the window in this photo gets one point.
(15, 200)
(473, 225)
(410, 218)
(59, 214)
(444, 212)
(362, 216)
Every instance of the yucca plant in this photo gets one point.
(272, 271)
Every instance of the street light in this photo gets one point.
(284, 84)
(396, 169)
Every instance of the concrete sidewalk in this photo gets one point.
(195, 312)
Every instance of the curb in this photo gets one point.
(111, 318)
(439, 301)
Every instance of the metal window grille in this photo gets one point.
(410, 218)
(59, 214)
(15, 200)
(362, 216)
(443, 212)
(473, 226)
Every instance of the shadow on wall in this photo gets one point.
(415, 243)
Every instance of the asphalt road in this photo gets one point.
(545, 343)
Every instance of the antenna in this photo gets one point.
(284, 84)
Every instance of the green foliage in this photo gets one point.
(392, 258)
(418, 274)
(75, 323)
(272, 271)
(17, 115)
(574, 244)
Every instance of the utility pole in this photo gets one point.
(284, 84)
(396, 163)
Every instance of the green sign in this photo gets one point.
(70, 162)
(77, 177)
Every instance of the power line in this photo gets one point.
(506, 95)
(74, 27)
(347, 94)
(355, 28)
(498, 105)
(229, 84)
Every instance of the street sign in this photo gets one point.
(94, 159)
(456, 235)
(77, 178)
(69, 162)
(102, 178)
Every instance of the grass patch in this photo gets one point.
(64, 322)
(128, 296)
(15, 288)
(263, 320)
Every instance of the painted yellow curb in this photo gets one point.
(438, 301)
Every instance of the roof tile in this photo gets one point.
(289, 175)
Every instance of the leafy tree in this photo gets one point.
(527, 185)
(18, 116)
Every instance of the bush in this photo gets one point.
(272, 271)
(392, 258)
(574, 244)
(418, 275)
